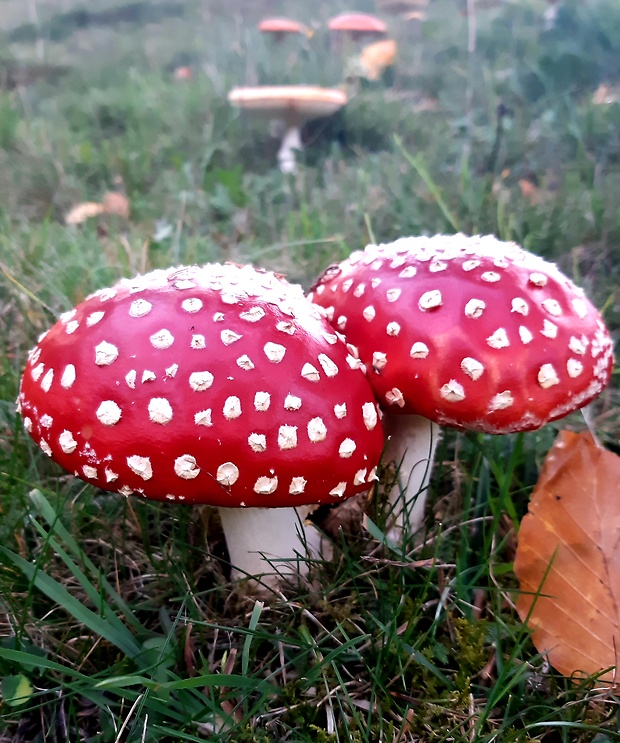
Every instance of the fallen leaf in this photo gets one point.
(568, 558)
(116, 203)
(347, 517)
(81, 212)
(427, 103)
(377, 57)
(15, 690)
(529, 190)
(605, 94)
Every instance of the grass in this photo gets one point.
(118, 621)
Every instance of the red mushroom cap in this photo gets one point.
(295, 103)
(469, 332)
(358, 24)
(214, 384)
(282, 26)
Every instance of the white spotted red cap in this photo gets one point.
(213, 384)
(469, 332)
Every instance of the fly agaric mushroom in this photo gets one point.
(281, 27)
(357, 25)
(217, 384)
(467, 332)
(295, 105)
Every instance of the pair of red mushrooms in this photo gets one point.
(354, 25)
(225, 385)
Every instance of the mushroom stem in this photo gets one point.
(274, 543)
(411, 444)
(290, 142)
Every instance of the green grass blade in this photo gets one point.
(227, 680)
(420, 168)
(123, 640)
(247, 643)
(46, 510)
(91, 591)
(30, 660)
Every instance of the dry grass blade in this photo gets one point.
(567, 558)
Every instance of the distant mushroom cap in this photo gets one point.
(213, 384)
(357, 23)
(469, 332)
(302, 102)
(282, 26)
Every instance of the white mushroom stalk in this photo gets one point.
(291, 143)
(218, 385)
(411, 444)
(278, 544)
(467, 332)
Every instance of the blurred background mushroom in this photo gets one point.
(280, 28)
(294, 105)
(357, 26)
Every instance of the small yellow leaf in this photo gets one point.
(568, 558)
(15, 690)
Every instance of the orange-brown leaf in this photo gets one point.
(529, 190)
(568, 558)
(376, 57)
(116, 203)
